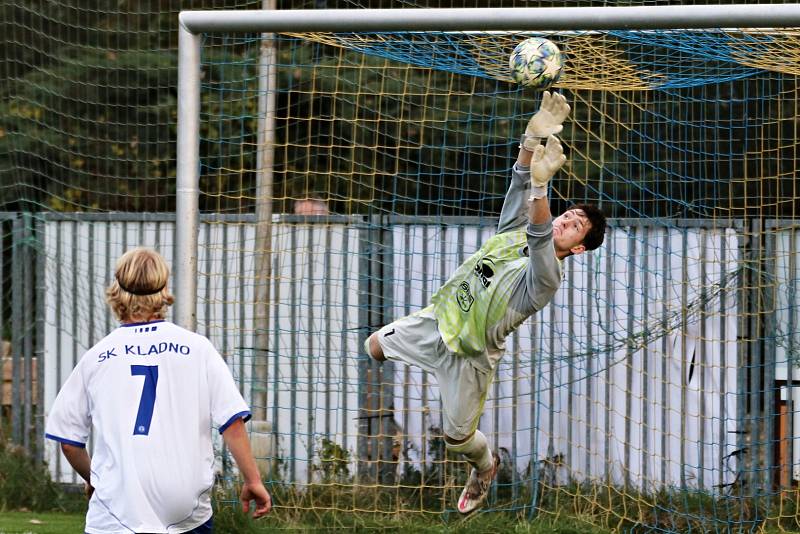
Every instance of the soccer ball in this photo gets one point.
(536, 63)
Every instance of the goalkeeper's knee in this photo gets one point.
(369, 346)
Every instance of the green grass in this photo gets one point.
(232, 522)
(64, 523)
(31, 502)
(40, 522)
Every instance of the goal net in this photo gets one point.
(344, 177)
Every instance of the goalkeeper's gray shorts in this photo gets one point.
(415, 340)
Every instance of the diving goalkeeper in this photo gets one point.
(460, 336)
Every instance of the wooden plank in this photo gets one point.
(784, 456)
(6, 386)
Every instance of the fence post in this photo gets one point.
(17, 336)
(375, 394)
(364, 363)
(768, 335)
(754, 359)
(39, 311)
(387, 427)
(29, 328)
(23, 330)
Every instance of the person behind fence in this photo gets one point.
(151, 392)
(460, 336)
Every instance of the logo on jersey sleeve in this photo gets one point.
(464, 297)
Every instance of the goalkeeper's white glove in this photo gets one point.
(546, 161)
(547, 121)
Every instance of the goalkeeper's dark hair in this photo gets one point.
(597, 225)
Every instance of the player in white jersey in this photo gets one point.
(152, 392)
(460, 336)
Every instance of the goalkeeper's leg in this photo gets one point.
(373, 347)
(475, 450)
(464, 388)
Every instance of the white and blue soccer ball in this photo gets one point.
(536, 62)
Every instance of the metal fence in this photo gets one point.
(20, 325)
(657, 364)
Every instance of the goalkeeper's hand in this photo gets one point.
(547, 121)
(546, 161)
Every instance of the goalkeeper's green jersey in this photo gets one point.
(512, 276)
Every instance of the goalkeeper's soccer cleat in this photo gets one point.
(477, 488)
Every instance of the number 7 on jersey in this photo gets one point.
(145, 414)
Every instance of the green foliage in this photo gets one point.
(573, 508)
(88, 104)
(673, 510)
(228, 515)
(88, 123)
(336, 507)
(25, 485)
(79, 135)
(89, 128)
(424, 489)
(333, 462)
(385, 137)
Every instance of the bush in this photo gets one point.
(23, 484)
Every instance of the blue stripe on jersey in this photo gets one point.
(245, 416)
(205, 527)
(65, 440)
(128, 325)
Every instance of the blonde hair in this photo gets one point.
(139, 289)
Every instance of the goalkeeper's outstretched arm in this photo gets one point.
(546, 122)
(543, 275)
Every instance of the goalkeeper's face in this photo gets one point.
(569, 231)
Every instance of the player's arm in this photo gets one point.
(69, 423)
(79, 459)
(235, 437)
(229, 412)
(547, 121)
(543, 276)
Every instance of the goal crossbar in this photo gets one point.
(474, 19)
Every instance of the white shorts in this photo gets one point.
(415, 340)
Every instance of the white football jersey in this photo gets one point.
(152, 391)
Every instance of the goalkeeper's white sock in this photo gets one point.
(475, 450)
